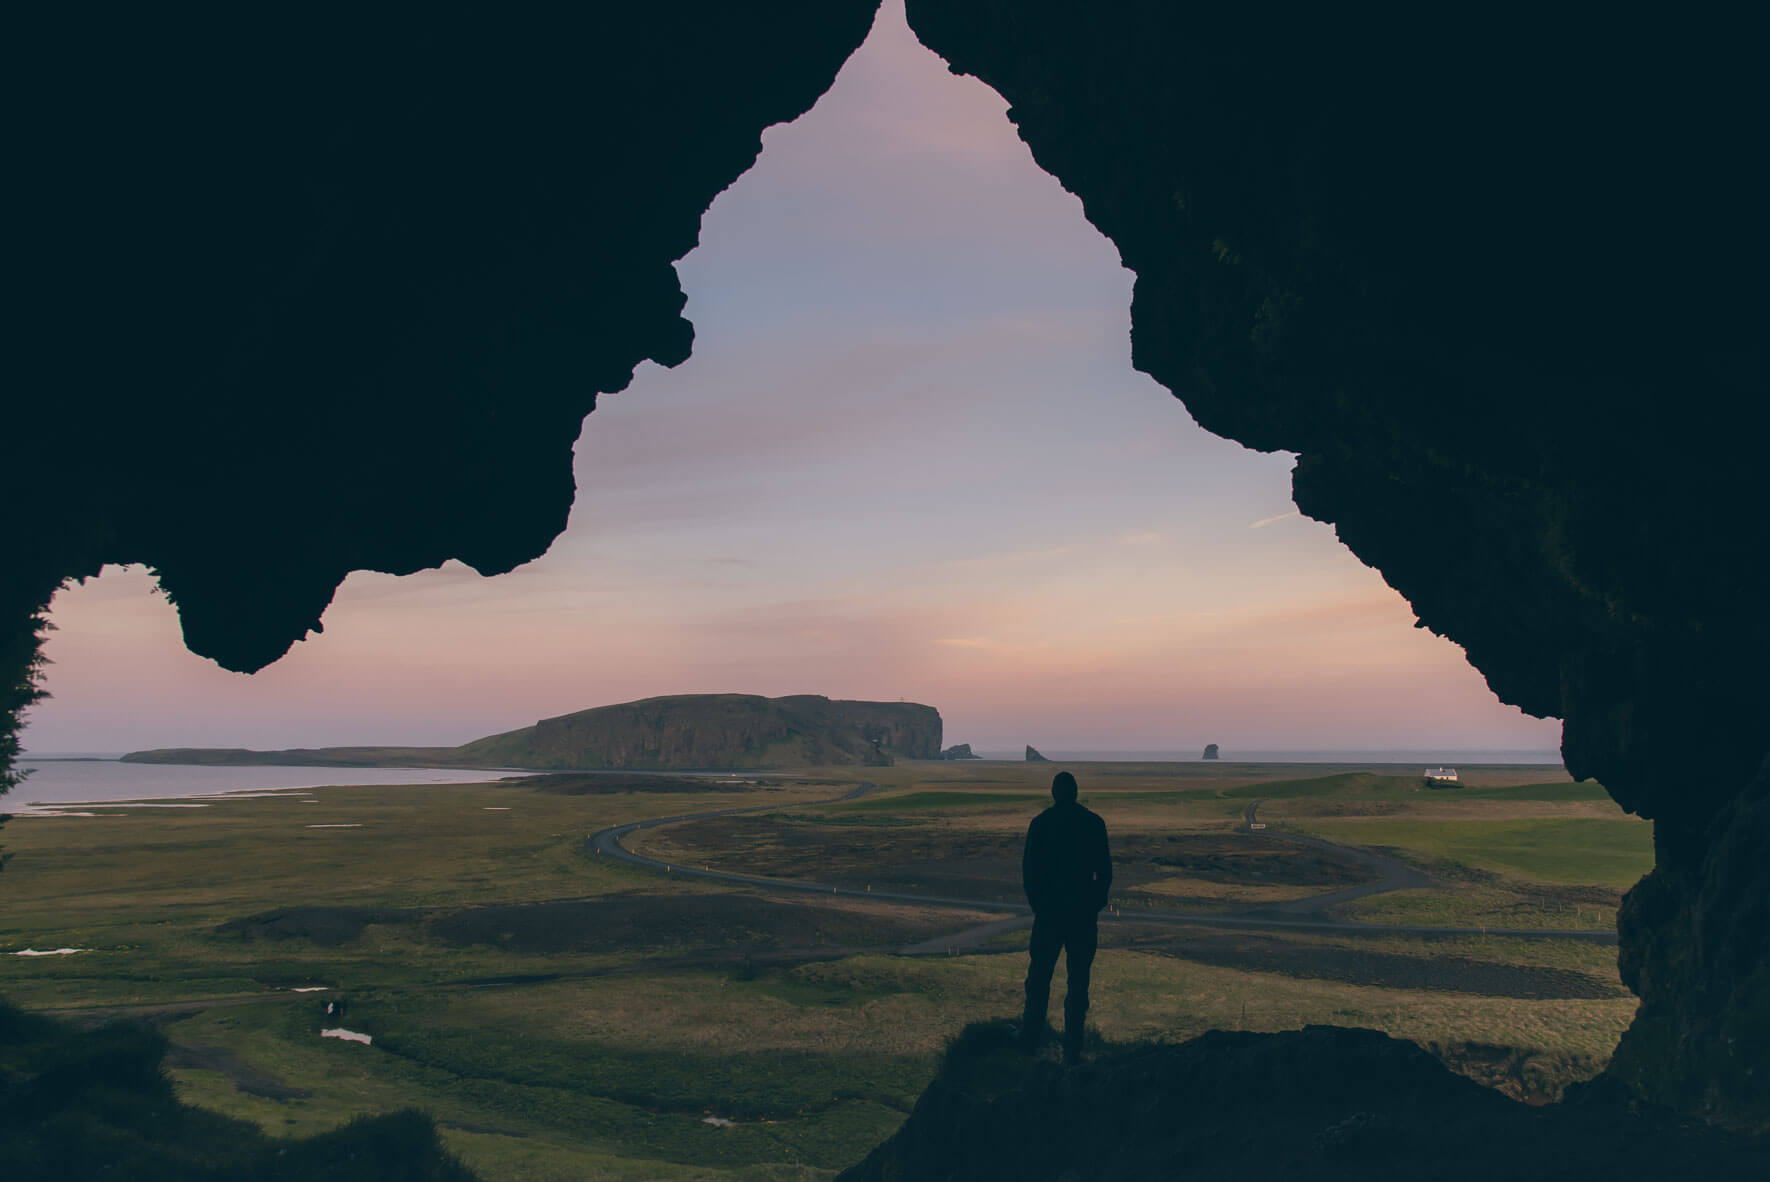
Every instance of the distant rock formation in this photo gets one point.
(1210, 751)
(959, 751)
(720, 731)
(1032, 755)
(679, 732)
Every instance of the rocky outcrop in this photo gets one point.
(1032, 755)
(690, 731)
(958, 751)
(100, 1103)
(384, 269)
(1318, 1103)
(684, 731)
(1498, 287)
(1210, 751)
(1419, 267)
(1695, 944)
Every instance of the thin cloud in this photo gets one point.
(1266, 521)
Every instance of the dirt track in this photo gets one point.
(1307, 914)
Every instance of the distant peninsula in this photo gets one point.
(681, 732)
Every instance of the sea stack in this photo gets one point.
(959, 751)
(1210, 751)
(1032, 756)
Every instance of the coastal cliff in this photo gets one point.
(719, 731)
(677, 732)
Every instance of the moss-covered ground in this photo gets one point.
(565, 1016)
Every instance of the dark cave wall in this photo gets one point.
(1499, 286)
(303, 296)
(308, 294)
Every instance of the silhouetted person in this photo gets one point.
(1066, 871)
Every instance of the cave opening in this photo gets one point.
(1385, 263)
(909, 457)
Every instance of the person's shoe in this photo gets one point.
(1072, 1049)
(1031, 1035)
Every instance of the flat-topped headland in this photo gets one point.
(679, 732)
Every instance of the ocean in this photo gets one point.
(59, 780)
(1425, 757)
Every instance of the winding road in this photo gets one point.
(1305, 915)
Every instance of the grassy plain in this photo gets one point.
(566, 1016)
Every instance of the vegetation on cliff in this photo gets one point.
(21, 669)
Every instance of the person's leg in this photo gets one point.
(1047, 941)
(1081, 938)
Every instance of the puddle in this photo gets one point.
(309, 988)
(50, 952)
(495, 808)
(334, 826)
(41, 813)
(718, 1122)
(346, 1035)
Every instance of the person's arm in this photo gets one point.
(1102, 866)
(1032, 870)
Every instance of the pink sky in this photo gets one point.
(908, 459)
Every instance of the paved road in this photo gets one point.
(1301, 915)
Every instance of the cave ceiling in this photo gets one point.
(304, 295)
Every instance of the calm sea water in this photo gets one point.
(1424, 757)
(58, 781)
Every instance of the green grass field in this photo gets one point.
(565, 1016)
(1571, 850)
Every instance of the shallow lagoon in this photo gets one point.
(60, 781)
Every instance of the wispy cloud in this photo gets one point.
(1266, 521)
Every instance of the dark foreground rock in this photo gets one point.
(1324, 220)
(99, 1104)
(449, 280)
(1033, 756)
(1319, 1103)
